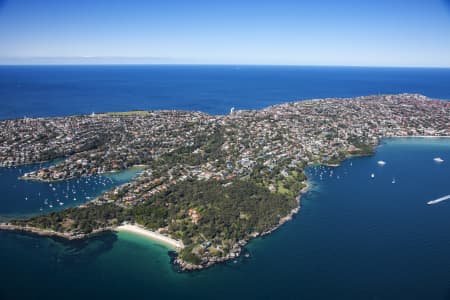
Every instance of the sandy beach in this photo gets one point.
(151, 234)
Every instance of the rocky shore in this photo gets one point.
(52, 233)
(237, 249)
(235, 252)
(203, 168)
(183, 266)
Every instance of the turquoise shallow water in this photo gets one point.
(354, 238)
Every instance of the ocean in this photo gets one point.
(37, 91)
(355, 237)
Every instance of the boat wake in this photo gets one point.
(438, 200)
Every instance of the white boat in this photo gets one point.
(381, 162)
(372, 175)
(393, 180)
(438, 159)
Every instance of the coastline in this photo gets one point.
(52, 233)
(293, 212)
(140, 168)
(178, 245)
(155, 236)
(236, 250)
(351, 155)
(418, 136)
(303, 191)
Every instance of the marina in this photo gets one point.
(23, 198)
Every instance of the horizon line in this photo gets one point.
(224, 64)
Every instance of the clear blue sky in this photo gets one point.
(315, 32)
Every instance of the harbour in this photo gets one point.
(378, 217)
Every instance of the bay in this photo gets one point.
(354, 238)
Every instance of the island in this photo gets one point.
(209, 183)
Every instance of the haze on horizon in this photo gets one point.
(349, 32)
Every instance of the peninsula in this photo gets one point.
(210, 183)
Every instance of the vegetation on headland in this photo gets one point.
(227, 213)
(78, 220)
(214, 182)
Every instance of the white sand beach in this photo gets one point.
(151, 234)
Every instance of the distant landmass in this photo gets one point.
(209, 183)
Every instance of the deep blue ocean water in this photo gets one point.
(67, 90)
(354, 238)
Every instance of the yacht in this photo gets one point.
(438, 159)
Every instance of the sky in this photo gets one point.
(278, 32)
